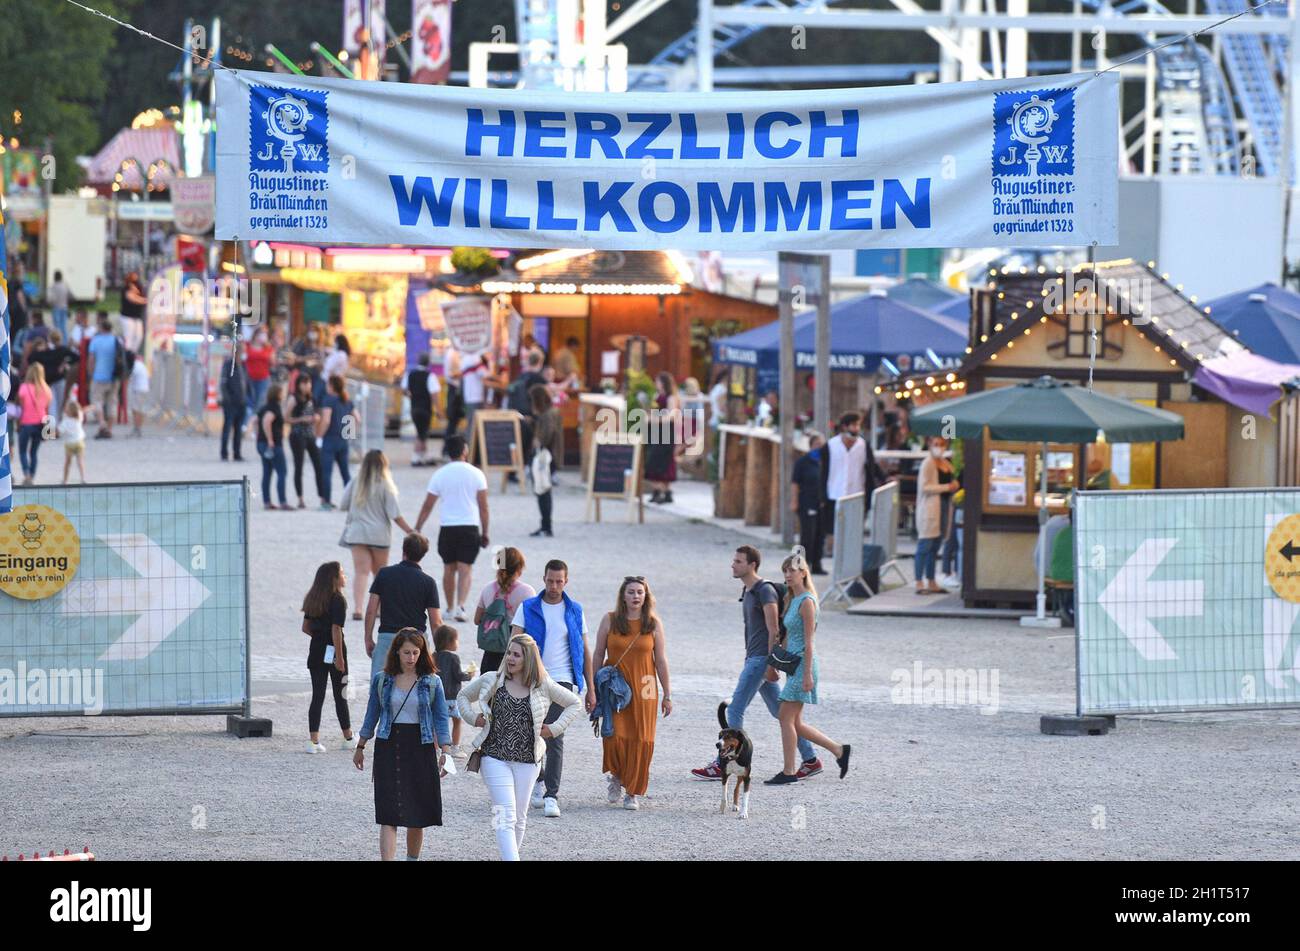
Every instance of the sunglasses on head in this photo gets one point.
(630, 578)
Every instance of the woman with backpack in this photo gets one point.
(497, 605)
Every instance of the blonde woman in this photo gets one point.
(801, 685)
(34, 396)
(508, 706)
(631, 638)
(371, 503)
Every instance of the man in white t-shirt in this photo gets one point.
(556, 622)
(846, 471)
(473, 387)
(464, 522)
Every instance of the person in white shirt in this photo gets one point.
(73, 434)
(139, 390)
(846, 472)
(58, 297)
(557, 623)
(339, 360)
(473, 387)
(718, 398)
(464, 522)
(80, 330)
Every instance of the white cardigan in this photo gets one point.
(479, 692)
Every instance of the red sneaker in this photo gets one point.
(710, 773)
(809, 768)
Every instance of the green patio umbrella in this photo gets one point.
(1046, 410)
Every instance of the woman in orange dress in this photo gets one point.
(631, 637)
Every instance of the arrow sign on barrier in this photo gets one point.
(1132, 599)
(163, 594)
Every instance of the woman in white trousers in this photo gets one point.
(512, 736)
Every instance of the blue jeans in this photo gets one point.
(332, 454)
(951, 551)
(61, 321)
(276, 463)
(926, 549)
(751, 682)
(29, 444)
(256, 397)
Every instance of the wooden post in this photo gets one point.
(731, 487)
(758, 481)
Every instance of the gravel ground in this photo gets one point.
(968, 780)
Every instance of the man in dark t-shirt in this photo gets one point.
(760, 607)
(401, 595)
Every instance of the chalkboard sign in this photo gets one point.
(615, 463)
(613, 473)
(500, 440)
(496, 445)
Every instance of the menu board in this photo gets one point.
(614, 465)
(1006, 485)
(500, 439)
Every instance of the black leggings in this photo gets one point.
(299, 445)
(545, 505)
(319, 673)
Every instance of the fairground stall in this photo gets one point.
(1155, 345)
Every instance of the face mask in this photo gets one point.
(936, 451)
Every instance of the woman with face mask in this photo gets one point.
(934, 485)
(509, 706)
(309, 358)
(259, 361)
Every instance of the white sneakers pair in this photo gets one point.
(549, 805)
(348, 744)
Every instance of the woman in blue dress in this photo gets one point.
(801, 686)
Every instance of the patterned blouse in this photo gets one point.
(511, 736)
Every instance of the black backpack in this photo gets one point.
(120, 367)
(782, 598)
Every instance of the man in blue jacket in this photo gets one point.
(556, 622)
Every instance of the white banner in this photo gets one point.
(1010, 163)
(354, 22)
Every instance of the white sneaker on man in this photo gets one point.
(538, 791)
(614, 790)
(313, 747)
(551, 808)
(460, 615)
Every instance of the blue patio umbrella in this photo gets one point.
(923, 293)
(1266, 319)
(866, 331)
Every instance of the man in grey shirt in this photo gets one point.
(762, 629)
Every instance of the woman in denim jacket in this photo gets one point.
(407, 712)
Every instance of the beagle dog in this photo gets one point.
(735, 756)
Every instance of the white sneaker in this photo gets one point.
(315, 747)
(615, 791)
(350, 743)
(551, 808)
(460, 615)
(538, 790)
(631, 802)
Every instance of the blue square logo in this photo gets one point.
(288, 130)
(1033, 133)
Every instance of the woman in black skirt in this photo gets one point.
(407, 713)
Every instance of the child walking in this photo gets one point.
(72, 431)
(446, 642)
